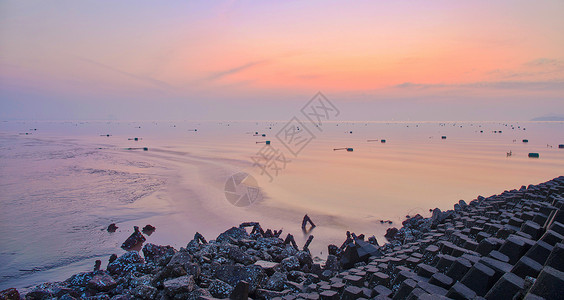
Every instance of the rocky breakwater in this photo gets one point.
(507, 246)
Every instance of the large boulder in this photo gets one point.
(10, 294)
(235, 233)
(50, 290)
(232, 274)
(220, 289)
(276, 281)
(129, 262)
(102, 282)
(179, 285)
(135, 239)
(159, 255)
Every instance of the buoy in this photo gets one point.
(525, 141)
(533, 155)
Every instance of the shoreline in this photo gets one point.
(505, 245)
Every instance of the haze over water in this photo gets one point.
(65, 182)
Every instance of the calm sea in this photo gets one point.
(63, 183)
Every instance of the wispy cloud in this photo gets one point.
(238, 69)
(148, 80)
(546, 62)
(509, 85)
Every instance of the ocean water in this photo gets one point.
(63, 183)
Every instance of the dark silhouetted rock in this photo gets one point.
(135, 239)
(232, 274)
(234, 233)
(179, 285)
(549, 284)
(220, 289)
(156, 254)
(102, 282)
(148, 229)
(9, 294)
(112, 227)
(126, 263)
(241, 291)
(276, 281)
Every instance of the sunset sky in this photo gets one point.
(376, 60)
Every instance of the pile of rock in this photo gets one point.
(501, 247)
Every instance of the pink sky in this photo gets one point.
(377, 60)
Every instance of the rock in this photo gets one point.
(220, 289)
(391, 233)
(80, 279)
(145, 292)
(182, 284)
(102, 282)
(506, 287)
(159, 255)
(239, 256)
(148, 229)
(49, 290)
(332, 263)
(97, 265)
(304, 258)
(9, 294)
(235, 233)
(276, 281)
(112, 227)
(267, 266)
(290, 263)
(549, 284)
(135, 239)
(460, 291)
(241, 291)
(232, 274)
(126, 263)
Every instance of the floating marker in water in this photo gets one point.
(533, 155)
(443, 137)
(525, 141)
